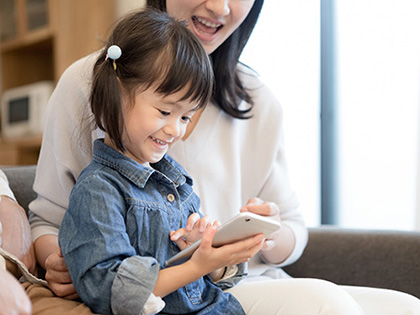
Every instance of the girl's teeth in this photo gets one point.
(207, 23)
(158, 141)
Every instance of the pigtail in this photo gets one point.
(105, 100)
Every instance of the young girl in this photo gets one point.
(115, 237)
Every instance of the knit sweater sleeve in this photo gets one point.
(66, 147)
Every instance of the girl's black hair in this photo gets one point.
(228, 89)
(157, 51)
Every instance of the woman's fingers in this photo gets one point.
(258, 206)
(58, 277)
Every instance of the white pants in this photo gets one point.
(313, 296)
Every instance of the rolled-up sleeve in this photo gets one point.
(233, 275)
(129, 288)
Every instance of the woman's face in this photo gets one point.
(212, 21)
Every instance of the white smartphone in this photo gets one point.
(242, 226)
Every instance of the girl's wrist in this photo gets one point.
(194, 269)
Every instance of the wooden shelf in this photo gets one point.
(32, 38)
(67, 31)
(20, 151)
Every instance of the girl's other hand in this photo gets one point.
(193, 231)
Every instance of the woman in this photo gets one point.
(234, 150)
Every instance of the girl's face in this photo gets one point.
(212, 21)
(154, 123)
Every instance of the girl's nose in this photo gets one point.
(172, 128)
(218, 7)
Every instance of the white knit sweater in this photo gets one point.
(230, 160)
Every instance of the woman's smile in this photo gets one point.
(205, 26)
(211, 21)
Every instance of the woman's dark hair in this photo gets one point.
(228, 89)
(157, 51)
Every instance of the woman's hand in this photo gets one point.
(58, 277)
(50, 258)
(193, 231)
(280, 244)
(13, 299)
(266, 209)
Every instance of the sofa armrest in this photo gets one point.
(21, 179)
(373, 258)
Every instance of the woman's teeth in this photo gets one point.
(207, 23)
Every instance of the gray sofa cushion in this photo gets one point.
(374, 258)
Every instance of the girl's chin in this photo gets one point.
(156, 158)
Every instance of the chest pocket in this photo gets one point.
(149, 223)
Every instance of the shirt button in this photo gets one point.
(170, 197)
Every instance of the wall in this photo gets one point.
(124, 6)
(284, 50)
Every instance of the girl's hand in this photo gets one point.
(267, 209)
(210, 258)
(193, 231)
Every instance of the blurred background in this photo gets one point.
(347, 74)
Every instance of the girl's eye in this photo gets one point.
(186, 119)
(164, 113)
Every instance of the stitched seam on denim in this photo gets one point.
(196, 299)
(138, 201)
(188, 198)
(179, 174)
(130, 176)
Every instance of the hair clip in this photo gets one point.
(114, 52)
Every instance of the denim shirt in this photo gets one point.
(115, 236)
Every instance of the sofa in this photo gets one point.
(375, 258)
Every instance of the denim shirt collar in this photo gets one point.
(167, 168)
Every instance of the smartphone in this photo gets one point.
(242, 226)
